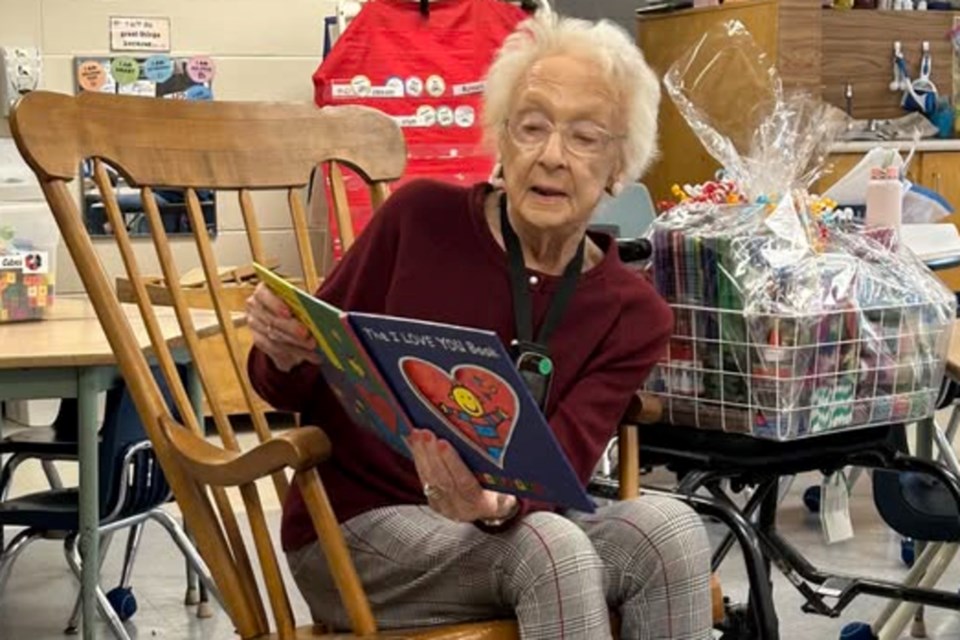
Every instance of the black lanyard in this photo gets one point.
(522, 306)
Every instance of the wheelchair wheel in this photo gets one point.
(123, 602)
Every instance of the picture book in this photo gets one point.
(393, 373)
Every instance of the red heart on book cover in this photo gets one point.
(477, 404)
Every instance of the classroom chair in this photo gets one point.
(46, 444)
(132, 490)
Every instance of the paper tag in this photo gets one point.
(835, 508)
(408, 121)
(469, 88)
(30, 262)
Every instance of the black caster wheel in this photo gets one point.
(908, 551)
(123, 602)
(857, 631)
(811, 498)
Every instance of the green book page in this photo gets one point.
(347, 369)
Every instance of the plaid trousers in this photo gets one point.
(648, 559)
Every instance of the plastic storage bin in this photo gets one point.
(28, 241)
(28, 249)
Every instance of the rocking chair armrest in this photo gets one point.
(299, 449)
(645, 408)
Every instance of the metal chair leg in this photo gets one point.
(192, 596)
(13, 551)
(189, 551)
(905, 612)
(912, 579)
(53, 476)
(6, 474)
(72, 552)
(130, 554)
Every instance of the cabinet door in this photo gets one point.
(941, 172)
(838, 165)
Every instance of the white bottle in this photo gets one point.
(884, 198)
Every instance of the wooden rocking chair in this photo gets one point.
(239, 147)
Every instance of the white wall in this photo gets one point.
(263, 49)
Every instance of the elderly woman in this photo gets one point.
(572, 108)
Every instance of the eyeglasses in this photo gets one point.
(582, 138)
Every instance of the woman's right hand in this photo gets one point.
(277, 333)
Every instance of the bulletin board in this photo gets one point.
(156, 76)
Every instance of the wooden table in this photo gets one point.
(67, 355)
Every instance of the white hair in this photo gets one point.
(603, 42)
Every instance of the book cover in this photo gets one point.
(462, 384)
(390, 373)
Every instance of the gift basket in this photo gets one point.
(790, 319)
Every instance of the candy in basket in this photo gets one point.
(787, 323)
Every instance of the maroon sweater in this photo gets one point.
(429, 254)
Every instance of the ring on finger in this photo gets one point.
(432, 492)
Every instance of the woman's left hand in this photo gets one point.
(450, 487)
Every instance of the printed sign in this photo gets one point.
(198, 92)
(139, 34)
(158, 68)
(124, 70)
(201, 69)
(91, 75)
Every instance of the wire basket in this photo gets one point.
(786, 377)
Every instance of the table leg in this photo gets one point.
(89, 497)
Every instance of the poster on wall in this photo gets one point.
(425, 72)
(156, 76)
(139, 34)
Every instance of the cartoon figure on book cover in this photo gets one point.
(478, 406)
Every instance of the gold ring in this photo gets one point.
(431, 492)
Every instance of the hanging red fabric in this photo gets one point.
(427, 73)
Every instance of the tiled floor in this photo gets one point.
(41, 591)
